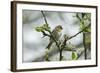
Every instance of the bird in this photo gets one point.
(56, 33)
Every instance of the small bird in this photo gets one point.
(56, 34)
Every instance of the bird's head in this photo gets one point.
(58, 28)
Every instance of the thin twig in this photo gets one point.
(78, 32)
(80, 54)
(44, 17)
(45, 34)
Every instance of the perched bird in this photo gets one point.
(56, 33)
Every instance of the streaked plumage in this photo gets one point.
(56, 34)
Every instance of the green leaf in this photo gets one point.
(81, 25)
(39, 29)
(87, 30)
(74, 56)
(46, 27)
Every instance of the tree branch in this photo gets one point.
(50, 53)
(63, 46)
(78, 32)
(44, 17)
(85, 49)
(51, 35)
(45, 34)
(49, 31)
(65, 40)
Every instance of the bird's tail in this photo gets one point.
(49, 45)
